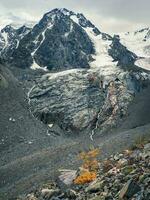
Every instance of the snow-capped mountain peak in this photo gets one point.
(143, 33)
(63, 39)
(78, 18)
(139, 43)
(10, 37)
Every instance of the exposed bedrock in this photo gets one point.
(76, 99)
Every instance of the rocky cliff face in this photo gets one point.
(77, 99)
(71, 98)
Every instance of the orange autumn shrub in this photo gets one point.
(85, 177)
(89, 167)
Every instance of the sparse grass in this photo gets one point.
(140, 142)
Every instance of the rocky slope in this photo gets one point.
(122, 176)
(21, 134)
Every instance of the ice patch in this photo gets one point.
(101, 58)
(136, 42)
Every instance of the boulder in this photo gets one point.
(94, 187)
(48, 193)
(129, 189)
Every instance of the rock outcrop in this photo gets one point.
(77, 99)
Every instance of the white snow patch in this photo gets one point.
(30, 142)
(50, 25)
(65, 11)
(103, 63)
(5, 36)
(62, 73)
(75, 19)
(17, 44)
(135, 42)
(12, 119)
(143, 63)
(101, 58)
(71, 28)
(35, 66)
(50, 125)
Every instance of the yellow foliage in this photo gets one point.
(85, 177)
(89, 167)
(88, 155)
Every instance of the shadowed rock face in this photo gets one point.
(56, 42)
(121, 54)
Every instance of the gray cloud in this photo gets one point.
(109, 15)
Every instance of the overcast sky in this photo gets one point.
(108, 15)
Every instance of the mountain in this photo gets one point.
(65, 86)
(139, 43)
(10, 37)
(63, 39)
(90, 77)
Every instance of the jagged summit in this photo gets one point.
(60, 11)
(78, 18)
(62, 40)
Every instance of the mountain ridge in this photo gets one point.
(64, 31)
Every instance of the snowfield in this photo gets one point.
(139, 43)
